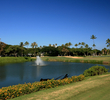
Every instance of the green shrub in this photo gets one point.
(95, 70)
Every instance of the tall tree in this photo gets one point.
(21, 45)
(49, 45)
(79, 43)
(86, 46)
(102, 51)
(55, 44)
(2, 46)
(108, 42)
(94, 47)
(93, 37)
(76, 45)
(65, 51)
(105, 51)
(62, 45)
(34, 46)
(67, 44)
(26, 44)
(83, 43)
(14, 50)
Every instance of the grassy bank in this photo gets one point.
(4, 60)
(88, 59)
(92, 88)
(27, 88)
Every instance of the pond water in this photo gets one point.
(12, 74)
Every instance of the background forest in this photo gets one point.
(52, 50)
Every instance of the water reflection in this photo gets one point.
(12, 74)
(2, 73)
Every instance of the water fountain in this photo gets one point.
(39, 62)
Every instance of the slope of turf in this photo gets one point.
(92, 88)
(88, 59)
(4, 60)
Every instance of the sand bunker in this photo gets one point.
(74, 57)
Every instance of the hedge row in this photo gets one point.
(21, 89)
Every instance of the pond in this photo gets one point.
(13, 74)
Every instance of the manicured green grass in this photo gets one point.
(101, 93)
(88, 59)
(4, 60)
(92, 88)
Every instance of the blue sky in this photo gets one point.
(55, 21)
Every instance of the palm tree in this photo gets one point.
(94, 47)
(55, 44)
(76, 45)
(79, 43)
(62, 45)
(26, 43)
(34, 44)
(108, 42)
(93, 37)
(102, 51)
(86, 46)
(67, 44)
(105, 51)
(83, 43)
(49, 45)
(21, 45)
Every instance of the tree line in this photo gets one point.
(52, 50)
